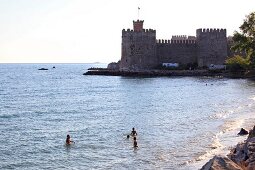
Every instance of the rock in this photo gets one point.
(251, 166)
(239, 154)
(244, 154)
(221, 163)
(42, 69)
(241, 157)
(114, 66)
(252, 133)
(243, 132)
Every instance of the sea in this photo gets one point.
(181, 122)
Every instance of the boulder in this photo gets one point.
(252, 133)
(243, 132)
(244, 154)
(221, 163)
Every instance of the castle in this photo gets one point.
(141, 50)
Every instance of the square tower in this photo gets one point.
(138, 25)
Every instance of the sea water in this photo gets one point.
(181, 121)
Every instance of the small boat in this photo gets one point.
(42, 69)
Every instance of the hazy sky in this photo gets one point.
(79, 31)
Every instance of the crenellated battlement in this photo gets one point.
(211, 30)
(143, 30)
(138, 25)
(179, 37)
(161, 41)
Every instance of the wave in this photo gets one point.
(219, 144)
(221, 115)
(231, 125)
(252, 98)
(213, 149)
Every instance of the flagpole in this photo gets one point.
(138, 12)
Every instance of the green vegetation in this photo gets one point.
(244, 42)
(237, 63)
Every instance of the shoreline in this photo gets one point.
(240, 157)
(172, 73)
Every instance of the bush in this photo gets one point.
(237, 63)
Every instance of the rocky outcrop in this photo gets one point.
(243, 132)
(113, 70)
(244, 154)
(151, 73)
(252, 133)
(221, 163)
(240, 157)
(114, 66)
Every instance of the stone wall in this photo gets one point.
(179, 37)
(177, 51)
(138, 50)
(211, 46)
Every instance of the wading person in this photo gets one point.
(133, 132)
(135, 143)
(68, 140)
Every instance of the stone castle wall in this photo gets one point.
(138, 49)
(177, 51)
(211, 46)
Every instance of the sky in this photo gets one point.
(86, 31)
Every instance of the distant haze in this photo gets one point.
(79, 31)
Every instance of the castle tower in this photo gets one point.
(138, 25)
(138, 48)
(212, 46)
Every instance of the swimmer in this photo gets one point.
(135, 143)
(128, 136)
(133, 132)
(68, 140)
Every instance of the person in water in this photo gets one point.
(135, 143)
(68, 140)
(128, 136)
(133, 132)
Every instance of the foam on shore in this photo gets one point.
(227, 136)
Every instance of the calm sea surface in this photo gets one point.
(181, 122)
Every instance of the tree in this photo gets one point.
(244, 41)
(237, 63)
